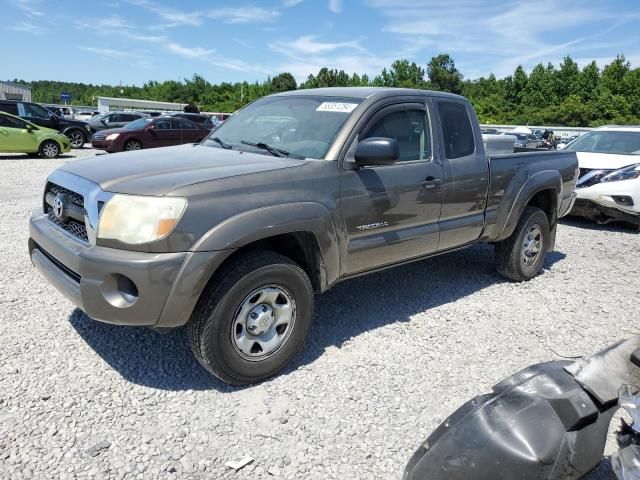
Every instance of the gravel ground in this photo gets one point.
(390, 356)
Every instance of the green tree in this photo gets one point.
(443, 74)
(283, 83)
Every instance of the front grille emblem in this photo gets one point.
(59, 206)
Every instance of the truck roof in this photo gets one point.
(366, 92)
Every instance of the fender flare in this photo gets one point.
(544, 180)
(262, 223)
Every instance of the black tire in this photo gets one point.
(133, 145)
(49, 149)
(211, 326)
(512, 261)
(77, 138)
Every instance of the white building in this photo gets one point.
(12, 91)
(106, 104)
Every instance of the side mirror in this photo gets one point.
(150, 127)
(377, 151)
(29, 127)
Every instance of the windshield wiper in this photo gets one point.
(276, 152)
(222, 143)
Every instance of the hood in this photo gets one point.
(109, 131)
(159, 171)
(605, 161)
(65, 122)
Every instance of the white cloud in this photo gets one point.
(188, 52)
(500, 35)
(28, 27)
(335, 6)
(108, 52)
(309, 45)
(306, 55)
(173, 16)
(30, 7)
(291, 3)
(243, 14)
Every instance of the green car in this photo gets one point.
(20, 136)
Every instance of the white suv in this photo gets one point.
(609, 184)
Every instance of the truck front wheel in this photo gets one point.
(252, 321)
(521, 256)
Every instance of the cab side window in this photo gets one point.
(35, 111)
(410, 128)
(9, 108)
(457, 132)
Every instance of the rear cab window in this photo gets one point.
(457, 131)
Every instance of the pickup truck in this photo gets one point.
(294, 193)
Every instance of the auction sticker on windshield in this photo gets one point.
(339, 107)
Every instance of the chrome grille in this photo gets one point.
(56, 189)
(75, 228)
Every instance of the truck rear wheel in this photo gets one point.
(521, 256)
(251, 322)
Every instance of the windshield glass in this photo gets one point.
(603, 141)
(138, 124)
(303, 126)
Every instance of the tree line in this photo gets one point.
(562, 95)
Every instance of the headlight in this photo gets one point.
(626, 173)
(113, 136)
(87, 127)
(135, 220)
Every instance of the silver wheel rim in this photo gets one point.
(50, 150)
(133, 146)
(532, 245)
(76, 139)
(263, 323)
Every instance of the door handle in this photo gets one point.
(431, 182)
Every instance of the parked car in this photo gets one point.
(522, 139)
(113, 120)
(85, 115)
(609, 185)
(149, 133)
(209, 121)
(152, 113)
(19, 136)
(78, 132)
(233, 236)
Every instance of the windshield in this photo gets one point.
(303, 126)
(138, 124)
(603, 141)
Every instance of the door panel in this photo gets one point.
(163, 134)
(391, 212)
(14, 137)
(466, 176)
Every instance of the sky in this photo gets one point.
(134, 41)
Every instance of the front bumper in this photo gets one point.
(602, 213)
(167, 285)
(103, 145)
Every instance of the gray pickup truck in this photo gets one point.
(294, 193)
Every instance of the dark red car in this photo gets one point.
(149, 133)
